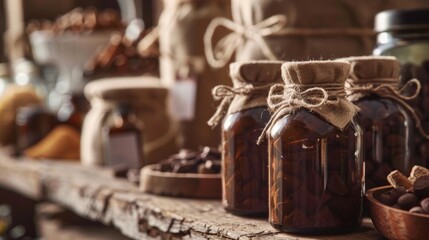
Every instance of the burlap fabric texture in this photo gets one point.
(317, 86)
(294, 30)
(380, 76)
(251, 84)
(147, 98)
(182, 25)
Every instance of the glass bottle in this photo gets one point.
(245, 163)
(387, 127)
(405, 35)
(316, 169)
(245, 172)
(123, 144)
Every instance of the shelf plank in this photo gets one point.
(96, 194)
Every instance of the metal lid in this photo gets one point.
(402, 19)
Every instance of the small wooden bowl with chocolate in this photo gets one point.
(189, 174)
(401, 211)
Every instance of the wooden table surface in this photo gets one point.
(95, 193)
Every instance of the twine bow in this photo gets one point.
(219, 56)
(284, 99)
(227, 94)
(388, 88)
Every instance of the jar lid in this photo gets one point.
(402, 19)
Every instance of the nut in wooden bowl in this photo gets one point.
(189, 174)
(190, 185)
(395, 223)
(401, 211)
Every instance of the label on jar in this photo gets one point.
(124, 150)
(183, 97)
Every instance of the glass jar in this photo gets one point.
(244, 170)
(122, 136)
(315, 166)
(387, 126)
(405, 35)
(245, 163)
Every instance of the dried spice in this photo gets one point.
(245, 174)
(315, 155)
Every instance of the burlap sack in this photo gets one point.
(182, 25)
(251, 84)
(307, 29)
(148, 100)
(340, 111)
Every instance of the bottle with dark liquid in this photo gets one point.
(123, 143)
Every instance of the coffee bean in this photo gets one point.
(407, 201)
(421, 186)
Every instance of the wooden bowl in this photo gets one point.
(395, 223)
(189, 185)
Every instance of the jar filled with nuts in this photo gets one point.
(405, 35)
(244, 169)
(385, 117)
(315, 154)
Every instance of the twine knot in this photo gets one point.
(219, 55)
(388, 88)
(284, 99)
(227, 94)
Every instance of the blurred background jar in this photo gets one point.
(405, 35)
(123, 139)
(244, 162)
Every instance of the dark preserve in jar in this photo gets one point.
(315, 155)
(405, 35)
(388, 129)
(244, 163)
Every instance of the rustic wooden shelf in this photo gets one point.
(96, 194)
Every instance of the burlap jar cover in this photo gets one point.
(380, 75)
(299, 29)
(252, 81)
(317, 86)
(148, 99)
(182, 25)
